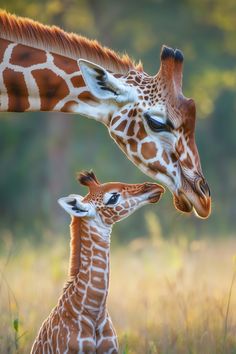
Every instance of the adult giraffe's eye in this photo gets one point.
(155, 125)
(113, 200)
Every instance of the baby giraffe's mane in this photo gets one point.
(54, 39)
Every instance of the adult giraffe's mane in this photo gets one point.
(54, 39)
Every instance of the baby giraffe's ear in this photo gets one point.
(74, 206)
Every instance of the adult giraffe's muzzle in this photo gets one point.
(194, 197)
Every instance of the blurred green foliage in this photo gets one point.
(40, 152)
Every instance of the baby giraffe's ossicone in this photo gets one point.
(80, 323)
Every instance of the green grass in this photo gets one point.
(165, 297)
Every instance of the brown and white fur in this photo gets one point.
(80, 323)
(43, 68)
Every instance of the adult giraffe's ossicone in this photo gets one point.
(46, 69)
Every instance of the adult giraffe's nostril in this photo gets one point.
(203, 188)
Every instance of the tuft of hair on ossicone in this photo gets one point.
(87, 178)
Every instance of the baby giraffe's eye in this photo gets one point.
(113, 200)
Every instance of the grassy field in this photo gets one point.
(166, 296)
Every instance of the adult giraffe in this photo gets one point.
(46, 69)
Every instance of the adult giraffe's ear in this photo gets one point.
(105, 86)
(74, 206)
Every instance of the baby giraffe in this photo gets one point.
(80, 322)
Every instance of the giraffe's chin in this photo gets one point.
(203, 209)
(182, 203)
(201, 206)
(155, 197)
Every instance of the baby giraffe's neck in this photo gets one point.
(89, 265)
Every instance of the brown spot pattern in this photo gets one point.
(3, 46)
(141, 133)
(68, 106)
(149, 150)
(78, 81)
(114, 120)
(123, 212)
(121, 127)
(157, 167)
(25, 56)
(165, 157)
(130, 114)
(17, 91)
(136, 160)
(66, 64)
(86, 96)
(130, 131)
(173, 157)
(52, 88)
(133, 144)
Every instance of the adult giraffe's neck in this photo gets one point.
(32, 79)
(90, 265)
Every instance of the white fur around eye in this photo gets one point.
(159, 119)
(158, 113)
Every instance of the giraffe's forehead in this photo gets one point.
(115, 187)
(120, 187)
(155, 91)
(156, 95)
(97, 194)
(148, 89)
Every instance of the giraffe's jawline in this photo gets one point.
(182, 203)
(154, 197)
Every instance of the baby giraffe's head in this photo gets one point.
(109, 203)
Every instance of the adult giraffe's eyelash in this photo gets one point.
(157, 126)
(113, 200)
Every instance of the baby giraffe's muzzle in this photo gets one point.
(153, 191)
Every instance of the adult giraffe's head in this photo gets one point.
(154, 124)
(147, 116)
(111, 202)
